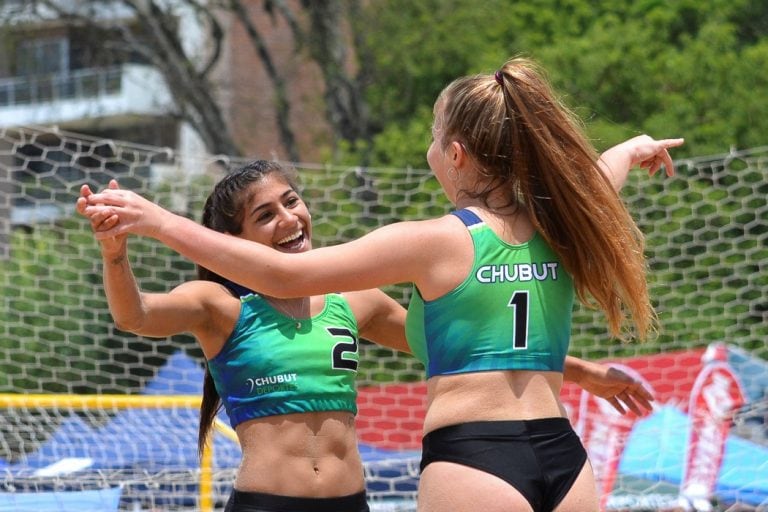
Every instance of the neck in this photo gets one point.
(298, 307)
(490, 209)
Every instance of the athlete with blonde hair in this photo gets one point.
(538, 224)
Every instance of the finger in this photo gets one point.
(669, 165)
(641, 392)
(643, 402)
(652, 163)
(107, 196)
(667, 159)
(98, 214)
(103, 221)
(110, 233)
(80, 205)
(652, 167)
(630, 404)
(657, 163)
(672, 143)
(101, 208)
(85, 190)
(113, 184)
(107, 221)
(616, 405)
(647, 164)
(92, 209)
(641, 398)
(110, 222)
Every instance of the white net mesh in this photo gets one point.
(707, 233)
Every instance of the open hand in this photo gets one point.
(620, 389)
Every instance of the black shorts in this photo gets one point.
(240, 501)
(540, 458)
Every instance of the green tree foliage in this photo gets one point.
(666, 68)
(691, 68)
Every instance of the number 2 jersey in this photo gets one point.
(272, 364)
(512, 312)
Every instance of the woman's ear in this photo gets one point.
(457, 154)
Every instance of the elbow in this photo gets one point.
(129, 312)
(127, 325)
(133, 322)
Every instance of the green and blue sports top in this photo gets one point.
(273, 364)
(512, 312)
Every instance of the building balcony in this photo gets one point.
(77, 98)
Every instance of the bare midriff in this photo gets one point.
(301, 455)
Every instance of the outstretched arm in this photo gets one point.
(123, 295)
(380, 318)
(148, 314)
(391, 254)
(642, 151)
(621, 390)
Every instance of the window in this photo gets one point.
(42, 57)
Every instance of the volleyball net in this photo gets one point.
(707, 245)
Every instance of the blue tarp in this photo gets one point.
(180, 375)
(656, 451)
(125, 441)
(751, 371)
(101, 500)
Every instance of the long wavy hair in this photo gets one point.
(224, 211)
(533, 153)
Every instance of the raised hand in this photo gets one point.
(119, 212)
(652, 154)
(102, 220)
(641, 151)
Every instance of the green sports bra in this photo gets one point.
(271, 364)
(512, 312)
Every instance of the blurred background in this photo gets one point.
(167, 95)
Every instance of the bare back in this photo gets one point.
(489, 395)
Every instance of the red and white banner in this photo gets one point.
(604, 432)
(715, 396)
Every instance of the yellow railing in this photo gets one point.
(101, 402)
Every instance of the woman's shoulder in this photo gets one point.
(204, 288)
(445, 228)
(434, 225)
(213, 296)
(364, 303)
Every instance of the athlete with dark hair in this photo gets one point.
(284, 368)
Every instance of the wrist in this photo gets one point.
(114, 256)
(163, 224)
(574, 369)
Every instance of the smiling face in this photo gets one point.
(276, 216)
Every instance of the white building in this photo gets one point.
(50, 75)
